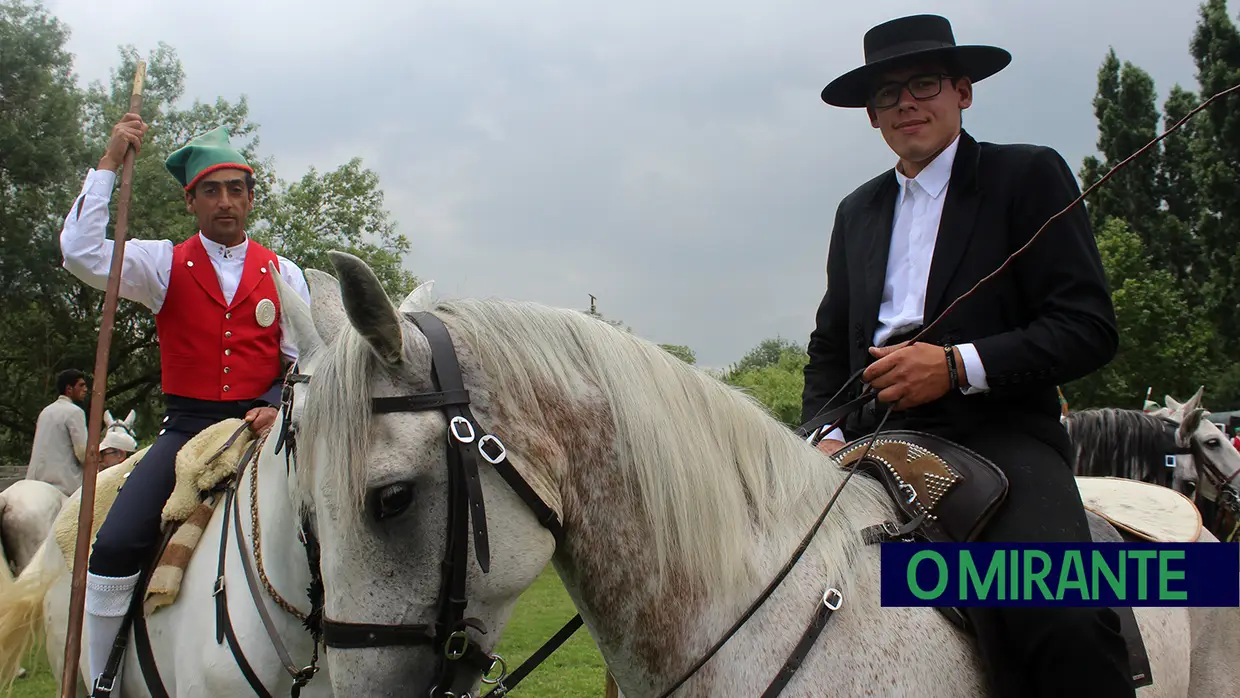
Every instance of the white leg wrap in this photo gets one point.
(107, 600)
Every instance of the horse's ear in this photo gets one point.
(369, 309)
(1195, 401)
(295, 320)
(1172, 404)
(1189, 425)
(107, 418)
(421, 298)
(131, 418)
(325, 305)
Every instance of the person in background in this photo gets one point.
(60, 435)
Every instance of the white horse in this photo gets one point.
(1210, 475)
(680, 499)
(1134, 444)
(183, 635)
(28, 507)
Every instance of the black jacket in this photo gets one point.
(1046, 320)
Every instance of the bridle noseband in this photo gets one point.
(450, 633)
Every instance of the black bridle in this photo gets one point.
(450, 634)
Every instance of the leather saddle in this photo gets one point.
(944, 492)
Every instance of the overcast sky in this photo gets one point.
(672, 158)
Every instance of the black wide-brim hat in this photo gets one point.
(906, 39)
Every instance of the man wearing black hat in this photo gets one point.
(909, 242)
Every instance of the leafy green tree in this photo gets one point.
(337, 210)
(1164, 340)
(769, 352)
(40, 149)
(773, 373)
(1127, 119)
(1215, 49)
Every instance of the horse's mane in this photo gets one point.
(716, 474)
(1109, 438)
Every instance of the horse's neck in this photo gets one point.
(650, 632)
(283, 555)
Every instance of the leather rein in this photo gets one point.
(459, 654)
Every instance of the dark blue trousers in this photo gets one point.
(128, 536)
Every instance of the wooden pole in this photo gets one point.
(90, 469)
(611, 690)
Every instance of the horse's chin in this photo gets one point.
(386, 672)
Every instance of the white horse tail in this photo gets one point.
(21, 609)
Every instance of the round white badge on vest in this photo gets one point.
(265, 313)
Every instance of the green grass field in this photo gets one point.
(575, 671)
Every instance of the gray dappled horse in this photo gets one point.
(1174, 446)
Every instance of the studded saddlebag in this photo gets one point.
(943, 491)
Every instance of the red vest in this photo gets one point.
(211, 350)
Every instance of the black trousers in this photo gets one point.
(1060, 652)
(128, 536)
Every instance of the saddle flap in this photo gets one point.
(954, 490)
(1148, 511)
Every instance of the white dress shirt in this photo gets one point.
(147, 265)
(914, 231)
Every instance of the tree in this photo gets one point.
(1215, 49)
(40, 148)
(338, 210)
(1164, 340)
(1127, 120)
(774, 373)
(767, 353)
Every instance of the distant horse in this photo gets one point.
(28, 507)
(1132, 444)
(1210, 474)
(679, 499)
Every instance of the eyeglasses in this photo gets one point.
(922, 87)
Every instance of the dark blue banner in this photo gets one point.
(1061, 574)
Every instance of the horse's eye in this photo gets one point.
(391, 500)
(1213, 442)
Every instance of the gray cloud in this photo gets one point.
(675, 160)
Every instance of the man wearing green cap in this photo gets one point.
(221, 352)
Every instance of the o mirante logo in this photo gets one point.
(1069, 574)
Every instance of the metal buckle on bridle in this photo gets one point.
(104, 689)
(488, 438)
(452, 653)
(832, 599)
(454, 427)
(503, 671)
